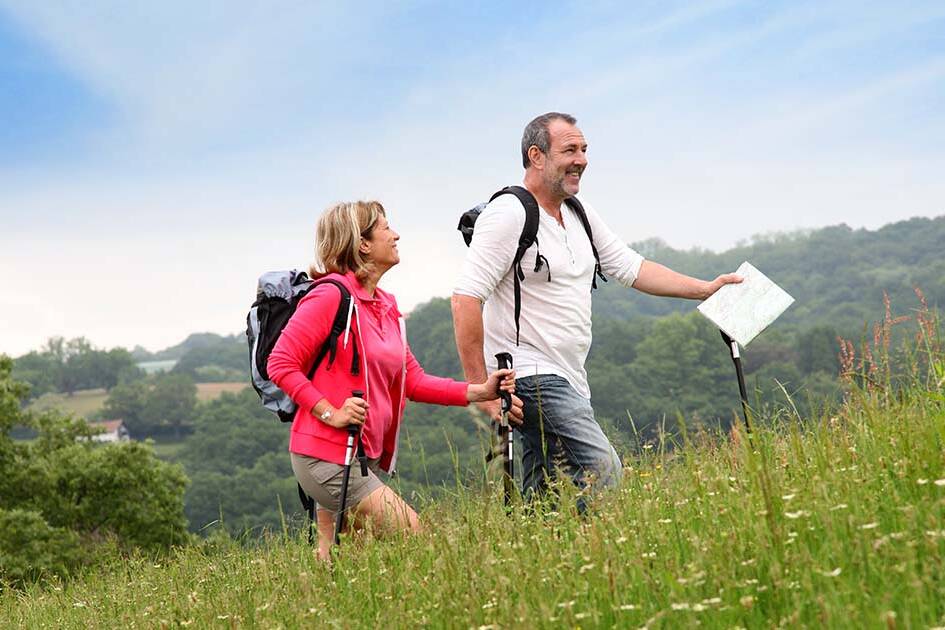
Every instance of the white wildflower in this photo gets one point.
(839, 506)
(922, 482)
(680, 606)
(940, 483)
(872, 525)
(788, 497)
(833, 573)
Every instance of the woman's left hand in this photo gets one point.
(500, 380)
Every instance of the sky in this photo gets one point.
(157, 157)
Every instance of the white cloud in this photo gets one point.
(194, 197)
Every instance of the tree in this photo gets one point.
(68, 366)
(170, 404)
(126, 401)
(40, 371)
(62, 489)
(238, 462)
(226, 359)
(818, 350)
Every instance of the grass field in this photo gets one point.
(81, 403)
(88, 401)
(209, 391)
(836, 521)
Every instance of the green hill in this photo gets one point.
(836, 274)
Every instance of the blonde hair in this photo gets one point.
(338, 238)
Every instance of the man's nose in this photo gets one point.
(582, 158)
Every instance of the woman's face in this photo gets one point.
(380, 246)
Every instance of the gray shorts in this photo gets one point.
(321, 480)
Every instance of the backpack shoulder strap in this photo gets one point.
(528, 236)
(578, 209)
(330, 345)
(530, 228)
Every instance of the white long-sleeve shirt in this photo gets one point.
(555, 321)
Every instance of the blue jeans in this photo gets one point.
(559, 432)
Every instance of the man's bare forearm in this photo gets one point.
(656, 279)
(467, 325)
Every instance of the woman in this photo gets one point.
(356, 246)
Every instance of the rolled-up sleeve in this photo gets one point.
(617, 259)
(492, 249)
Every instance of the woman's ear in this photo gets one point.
(365, 246)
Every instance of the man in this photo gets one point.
(557, 427)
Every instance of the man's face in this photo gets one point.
(566, 159)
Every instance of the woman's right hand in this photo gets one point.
(353, 411)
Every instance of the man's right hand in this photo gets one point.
(493, 409)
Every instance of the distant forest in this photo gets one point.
(654, 363)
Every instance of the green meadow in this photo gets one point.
(835, 520)
(86, 402)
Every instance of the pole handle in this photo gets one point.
(353, 429)
(505, 363)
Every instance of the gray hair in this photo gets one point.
(536, 133)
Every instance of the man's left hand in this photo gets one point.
(718, 283)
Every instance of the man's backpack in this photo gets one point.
(277, 296)
(529, 235)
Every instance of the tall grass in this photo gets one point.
(834, 521)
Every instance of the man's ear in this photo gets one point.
(536, 157)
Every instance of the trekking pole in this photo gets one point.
(505, 432)
(353, 431)
(736, 359)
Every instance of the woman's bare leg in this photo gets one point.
(386, 513)
(326, 533)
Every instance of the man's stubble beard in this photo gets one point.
(556, 186)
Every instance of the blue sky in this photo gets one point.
(156, 154)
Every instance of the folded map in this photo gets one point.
(743, 310)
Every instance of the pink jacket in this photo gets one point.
(297, 348)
